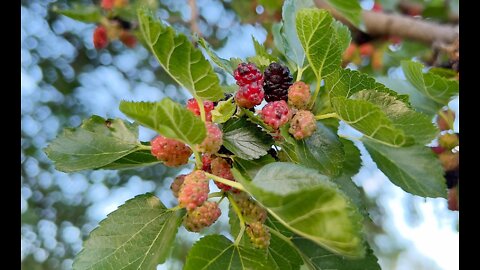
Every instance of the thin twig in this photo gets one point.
(194, 17)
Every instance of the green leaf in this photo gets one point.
(443, 72)
(138, 235)
(318, 258)
(256, 119)
(393, 119)
(343, 35)
(260, 61)
(350, 9)
(260, 50)
(353, 162)
(414, 168)
(434, 87)
(250, 168)
(418, 101)
(180, 59)
(234, 62)
(354, 193)
(278, 38)
(220, 62)
(282, 254)
(319, 40)
(293, 47)
(322, 151)
(168, 118)
(95, 144)
(370, 120)
(310, 205)
(414, 124)
(217, 252)
(137, 159)
(230, 89)
(322, 104)
(223, 111)
(245, 139)
(83, 13)
(116, 128)
(322, 259)
(346, 82)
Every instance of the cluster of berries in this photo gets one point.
(449, 155)
(254, 216)
(113, 28)
(192, 190)
(192, 193)
(212, 144)
(287, 102)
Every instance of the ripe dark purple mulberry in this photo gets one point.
(277, 80)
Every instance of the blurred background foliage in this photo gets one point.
(64, 79)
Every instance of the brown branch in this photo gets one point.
(408, 6)
(194, 17)
(378, 23)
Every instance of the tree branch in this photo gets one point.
(194, 17)
(378, 23)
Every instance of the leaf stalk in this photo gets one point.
(325, 116)
(240, 217)
(226, 181)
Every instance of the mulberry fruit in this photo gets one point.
(259, 234)
(202, 216)
(437, 149)
(128, 39)
(213, 141)
(299, 95)
(303, 125)
(246, 74)
(192, 105)
(100, 37)
(206, 163)
(276, 114)
(172, 152)
(453, 199)
(444, 122)
(221, 168)
(194, 190)
(449, 160)
(277, 80)
(448, 141)
(107, 4)
(251, 211)
(177, 184)
(249, 95)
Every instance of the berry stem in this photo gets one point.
(144, 147)
(223, 155)
(325, 116)
(198, 159)
(225, 181)
(446, 118)
(349, 137)
(202, 109)
(215, 194)
(240, 217)
(315, 94)
(176, 208)
(300, 72)
(223, 197)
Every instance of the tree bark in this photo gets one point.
(378, 23)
